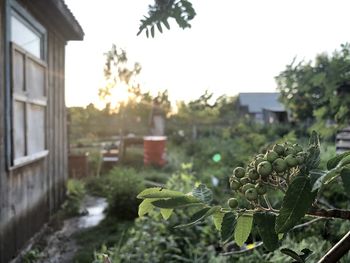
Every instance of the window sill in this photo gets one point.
(22, 161)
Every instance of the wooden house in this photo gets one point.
(33, 137)
(262, 107)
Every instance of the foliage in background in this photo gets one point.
(75, 194)
(319, 90)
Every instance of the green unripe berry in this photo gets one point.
(278, 148)
(300, 159)
(265, 168)
(239, 172)
(251, 194)
(289, 150)
(253, 175)
(244, 180)
(279, 165)
(291, 160)
(247, 186)
(297, 148)
(260, 189)
(258, 161)
(271, 156)
(232, 203)
(235, 185)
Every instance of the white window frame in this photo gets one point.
(23, 16)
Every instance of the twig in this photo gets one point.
(331, 213)
(337, 251)
(308, 223)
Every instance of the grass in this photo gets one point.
(109, 232)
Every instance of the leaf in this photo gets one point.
(177, 202)
(147, 33)
(313, 157)
(332, 163)
(217, 218)
(227, 226)
(203, 193)
(345, 177)
(200, 215)
(152, 31)
(166, 23)
(145, 207)
(316, 177)
(159, 26)
(266, 228)
(243, 228)
(296, 202)
(306, 253)
(166, 213)
(157, 192)
(280, 236)
(331, 175)
(292, 254)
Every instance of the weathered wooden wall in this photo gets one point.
(30, 194)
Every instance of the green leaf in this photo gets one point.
(243, 228)
(313, 157)
(200, 215)
(166, 213)
(145, 207)
(266, 228)
(331, 175)
(203, 193)
(165, 22)
(228, 226)
(316, 176)
(280, 236)
(306, 253)
(332, 163)
(177, 202)
(159, 26)
(217, 219)
(345, 177)
(152, 31)
(157, 192)
(296, 202)
(292, 254)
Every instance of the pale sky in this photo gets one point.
(233, 46)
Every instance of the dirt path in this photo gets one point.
(60, 245)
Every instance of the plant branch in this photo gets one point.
(337, 251)
(330, 213)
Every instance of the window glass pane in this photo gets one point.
(36, 129)
(25, 37)
(35, 79)
(18, 72)
(19, 129)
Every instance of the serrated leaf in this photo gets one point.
(166, 213)
(292, 254)
(332, 163)
(157, 192)
(266, 228)
(345, 177)
(228, 226)
(203, 193)
(217, 219)
(243, 228)
(177, 202)
(296, 202)
(200, 216)
(145, 207)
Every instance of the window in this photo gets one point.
(28, 88)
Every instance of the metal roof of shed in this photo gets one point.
(256, 102)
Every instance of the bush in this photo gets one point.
(75, 195)
(122, 187)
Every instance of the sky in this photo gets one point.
(233, 46)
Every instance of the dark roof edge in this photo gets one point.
(76, 32)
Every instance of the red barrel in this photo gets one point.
(154, 150)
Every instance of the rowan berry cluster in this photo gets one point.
(273, 169)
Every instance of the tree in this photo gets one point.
(318, 90)
(159, 13)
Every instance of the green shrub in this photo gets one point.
(75, 195)
(122, 187)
